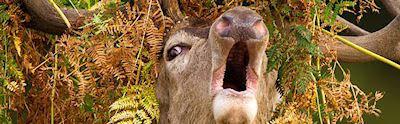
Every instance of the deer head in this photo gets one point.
(217, 73)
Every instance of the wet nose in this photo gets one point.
(239, 32)
(241, 24)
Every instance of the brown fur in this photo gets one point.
(184, 82)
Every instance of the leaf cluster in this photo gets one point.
(105, 71)
(140, 106)
(86, 68)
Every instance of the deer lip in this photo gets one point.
(236, 77)
(217, 84)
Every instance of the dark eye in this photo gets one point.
(174, 52)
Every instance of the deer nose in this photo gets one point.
(238, 36)
(241, 24)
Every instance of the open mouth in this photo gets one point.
(236, 75)
(235, 71)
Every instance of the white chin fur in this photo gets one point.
(232, 108)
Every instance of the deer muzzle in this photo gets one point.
(238, 40)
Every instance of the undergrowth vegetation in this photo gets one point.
(105, 71)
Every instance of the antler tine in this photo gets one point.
(352, 28)
(171, 8)
(385, 42)
(46, 19)
(393, 6)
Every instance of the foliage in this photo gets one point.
(78, 4)
(105, 71)
(307, 79)
(12, 80)
(139, 107)
(75, 77)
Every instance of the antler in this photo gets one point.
(385, 42)
(393, 6)
(45, 17)
(352, 28)
(171, 8)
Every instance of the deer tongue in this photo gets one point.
(236, 64)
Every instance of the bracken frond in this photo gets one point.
(142, 102)
(123, 115)
(124, 103)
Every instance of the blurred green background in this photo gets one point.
(377, 76)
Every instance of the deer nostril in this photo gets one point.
(241, 24)
(223, 26)
(260, 28)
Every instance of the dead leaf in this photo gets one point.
(17, 44)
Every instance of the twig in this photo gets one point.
(142, 41)
(5, 75)
(363, 50)
(53, 90)
(324, 102)
(66, 21)
(322, 91)
(34, 69)
(318, 104)
(355, 99)
(73, 5)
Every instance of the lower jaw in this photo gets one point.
(229, 104)
(235, 94)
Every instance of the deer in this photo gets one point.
(215, 71)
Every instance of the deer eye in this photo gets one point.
(176, 51)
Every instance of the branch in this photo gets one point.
(385, 42)
(45, 17)
(352, 28)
